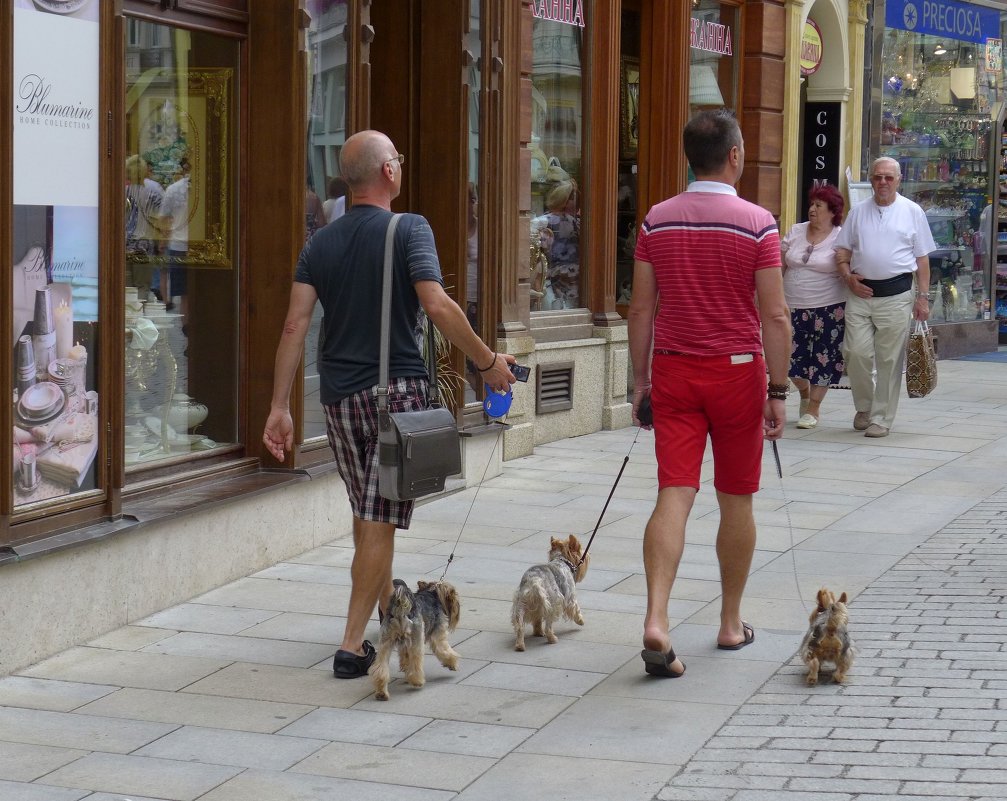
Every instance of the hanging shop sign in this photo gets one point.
(947, 18)
(811, 48)
(820, 148)
(710, 36)
(569, 12)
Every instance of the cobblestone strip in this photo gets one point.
(922, 717)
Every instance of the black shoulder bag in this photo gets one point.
(417, 451)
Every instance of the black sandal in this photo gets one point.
(348, 665)
(659, 664)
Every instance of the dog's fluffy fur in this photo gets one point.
(548, 591)
(429, 614)
(828, 638)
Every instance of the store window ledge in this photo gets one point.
(150, 509)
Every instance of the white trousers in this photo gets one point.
(877, 330)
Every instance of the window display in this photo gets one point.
(328, 92)
(181, 296)
(54, 279)
(942, 95)
(556, 163)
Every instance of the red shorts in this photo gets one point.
(698, 395)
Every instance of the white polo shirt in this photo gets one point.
(886, 240)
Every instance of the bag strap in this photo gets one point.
(386, 309)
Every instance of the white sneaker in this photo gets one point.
(807, 421)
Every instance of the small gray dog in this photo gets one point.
(548, 591)
(430, 614)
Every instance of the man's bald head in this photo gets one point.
(363, 156)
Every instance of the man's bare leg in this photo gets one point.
(663, 542)
(371, 576)
(735, 547)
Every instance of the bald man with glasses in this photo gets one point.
(882, 254)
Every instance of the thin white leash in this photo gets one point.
(489, 460)
(790, 524)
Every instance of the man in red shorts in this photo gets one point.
(702, 257)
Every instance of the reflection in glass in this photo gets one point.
(326, 81)
(557, 156)
(473, 43)
(181, 295)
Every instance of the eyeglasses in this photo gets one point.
(885, 178)
(807, 254)
(401, 159)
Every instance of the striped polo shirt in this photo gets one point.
(705, 246)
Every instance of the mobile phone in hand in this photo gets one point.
(521, 373)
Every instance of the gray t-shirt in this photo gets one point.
(344, 262)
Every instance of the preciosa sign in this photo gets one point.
(569, 12)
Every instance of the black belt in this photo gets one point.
(885, 288)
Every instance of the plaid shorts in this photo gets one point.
(352, 426)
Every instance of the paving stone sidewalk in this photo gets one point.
(230, 697)
(922, 716)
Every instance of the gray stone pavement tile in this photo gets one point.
(301, 627)
(283, 685)
(473, 705)
(120, 797)
(686, 589)
(23, 762)
(12, 791)
(534, 679)
(207, 619)
(190, 709)
(261, 785)
(436, 770)
(314, 574)
(356, 726)
(780, 585)
(55, 696)
(567, 654)
(571, 520)
(862, 542)
(532, 776)
(125, 668)
(710, 681)
(629, 729)
(771, 644)
(159, 778)
(84, 732)
(237, 748)
(130, 638)
(235, 648)
(279, 596)
(469, 739)
(421, 534)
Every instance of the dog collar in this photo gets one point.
(568, 563)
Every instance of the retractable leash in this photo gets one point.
(497, 406)
(625, 461)
(790, 524)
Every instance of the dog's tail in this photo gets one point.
(400, 604)
(529, 597)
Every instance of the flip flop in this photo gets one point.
(749, 639)
(348, 665)
(659, 664)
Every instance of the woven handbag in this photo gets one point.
(921, 361)
(417, 451)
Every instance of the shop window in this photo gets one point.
(326, 194)
(941, 118)
(713, 56)
(181, 260)
(557, 147)
(473, 46)
(54, 289)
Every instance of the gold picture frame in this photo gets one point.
(629, 108)
(179, 122)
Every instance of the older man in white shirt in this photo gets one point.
(882, 255)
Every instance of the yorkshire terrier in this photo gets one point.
(429, 614)
(547, 591)
(828, 639)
